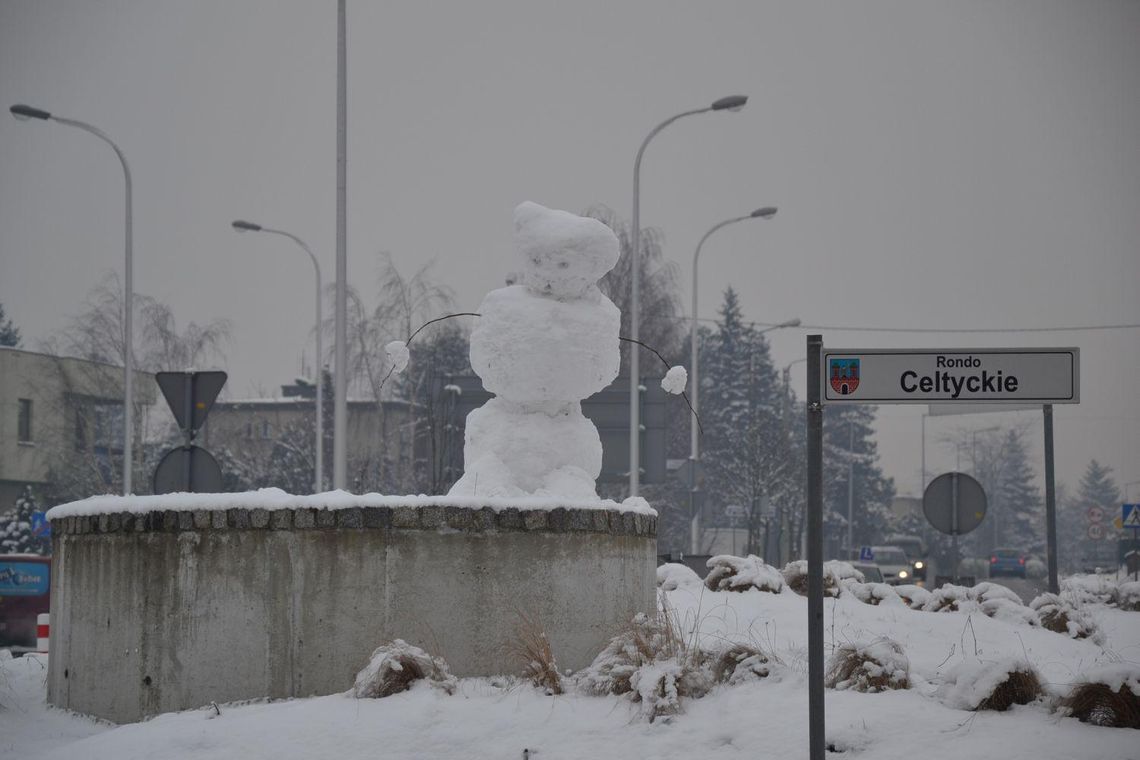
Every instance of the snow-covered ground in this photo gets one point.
(499, 718)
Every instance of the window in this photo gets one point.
(265, 430)
(24, 425)
(99, 426)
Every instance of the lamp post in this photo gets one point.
(730, 103)
(24, 112)
(766, 212)
(319, 470)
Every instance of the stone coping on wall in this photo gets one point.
(274, 499)
(434, 517)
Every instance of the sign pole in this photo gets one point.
(188, 431)
(816, 746)
(1050, 501)
(954, 528)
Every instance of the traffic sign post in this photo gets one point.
(1005, 377)
(189, 468)
(955, 504)
(1130, 518)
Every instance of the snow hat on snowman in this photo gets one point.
(563, 254)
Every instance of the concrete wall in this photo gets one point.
(171, 610)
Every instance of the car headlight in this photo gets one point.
(902, 573)
(919, 565)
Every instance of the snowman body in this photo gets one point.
(542, 346)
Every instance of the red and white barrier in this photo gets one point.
(43, 628)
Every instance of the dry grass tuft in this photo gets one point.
(878, 666)
(394, 667)
(532, 648)
(1059, 616)
(1019, 688)
(738, 663)
(1098, 704)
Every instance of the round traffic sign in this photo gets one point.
(1095, 514)
(1096, 531)
(954, 503)
(188, 461)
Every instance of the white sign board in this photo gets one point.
(957, 375)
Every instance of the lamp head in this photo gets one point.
(23, 113)
(730, 103)
(242, 226)
(764, 213)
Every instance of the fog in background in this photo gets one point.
(937, 165)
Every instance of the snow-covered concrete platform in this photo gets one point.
(243, 596)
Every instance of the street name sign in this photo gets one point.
(951, 376)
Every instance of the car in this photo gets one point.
(915, 549)
(894, 564)
(1007, 562)
(871, 571)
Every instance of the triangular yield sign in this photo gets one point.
(204, 388)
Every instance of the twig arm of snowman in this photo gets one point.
(674, 381)
(397, 351)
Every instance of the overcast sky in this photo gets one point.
(937, 165)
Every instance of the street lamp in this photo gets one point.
(242, 226)
(730, 103)
(767, 212)
(24, 112)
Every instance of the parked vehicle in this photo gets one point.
(25, 583)
(1007, 562)
(871, 571)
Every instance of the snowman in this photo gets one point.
(542, 346)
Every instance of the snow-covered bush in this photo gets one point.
(877, 666)
(673, 575)
(796, 576)
(1059, 615)
(978, 685)
(1001, 603)
(915, 597)
(1088, 589)
(1127, 596)
(739, 663)
(729, 573)
(1106, 697)
(1035, 568)
(651, 663)
(394, 667)
(948, 598)
(871, 593)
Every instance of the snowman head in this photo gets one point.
(563, 254)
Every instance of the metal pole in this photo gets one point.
(318, 480)
(1050, 501)
(188, 432)
(635, 311)
(923, 488)
(128, 308)
(850, 489)
(816, 746)
(954, 527)
(340, 408)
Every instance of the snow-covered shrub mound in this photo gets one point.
(1001, 603)
(1057, 614)
(650, 662)
(394, 667)
(915, 597)
(739, 663)
(948, 598)
(729, 573)
(1106, 697)
(796, 576)
(1127, 596)
(871, 593)
(673, 575)
(1035, 568)
(977, 685)
(1088, 589)
(877, 666)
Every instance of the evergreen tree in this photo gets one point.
(16, 535)
(1016, 502)
(9, 334)
(741, 403)
(849, 447)
(1097, 489)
